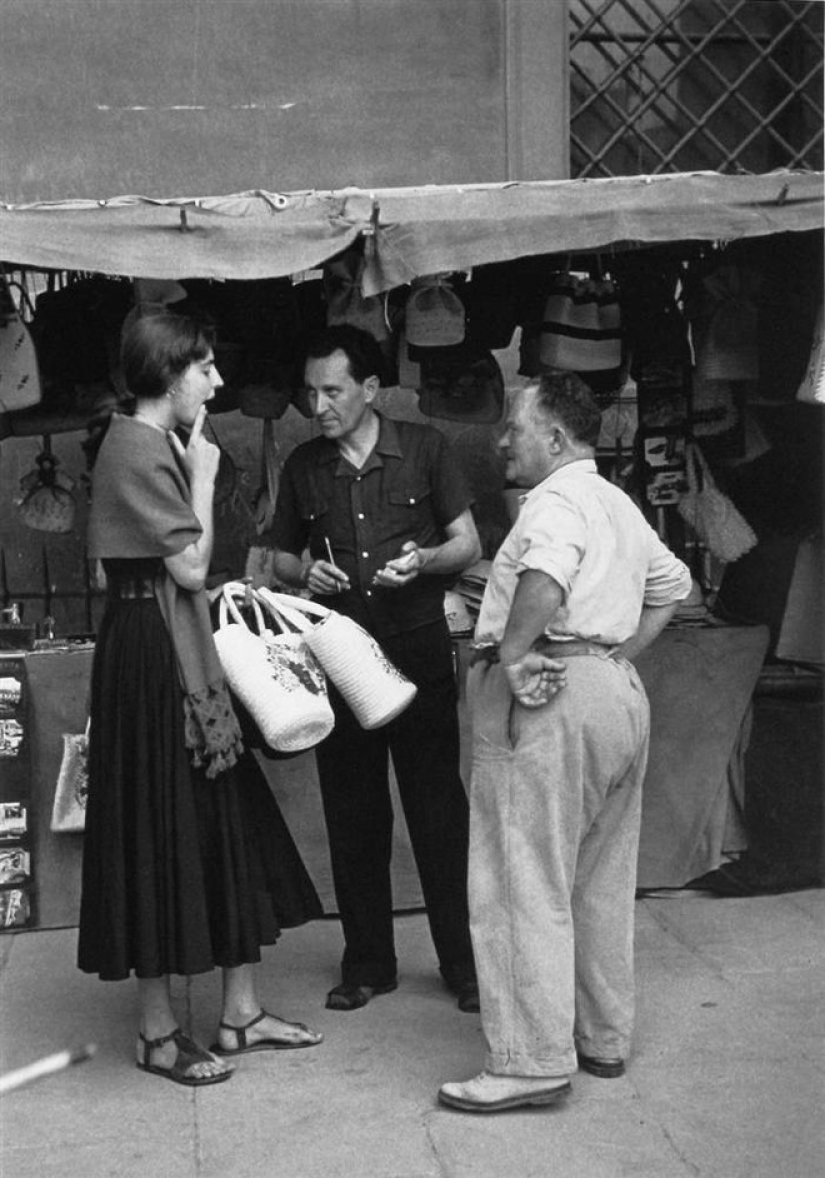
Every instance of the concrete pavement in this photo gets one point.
(726, 1080)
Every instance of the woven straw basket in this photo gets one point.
(372, 686)
(275, 676)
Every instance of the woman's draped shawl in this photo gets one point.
(141, 507)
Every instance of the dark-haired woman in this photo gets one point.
(188, 864)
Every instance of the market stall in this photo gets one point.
(712, 379)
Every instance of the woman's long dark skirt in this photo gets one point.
(181, 873)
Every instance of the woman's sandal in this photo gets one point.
(188, 1055)
(269, 1044)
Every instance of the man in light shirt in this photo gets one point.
(579, 587)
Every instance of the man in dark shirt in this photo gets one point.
(385, 516)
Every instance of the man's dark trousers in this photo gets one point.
(353, 772)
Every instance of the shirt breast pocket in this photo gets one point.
(410, 509)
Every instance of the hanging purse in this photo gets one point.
(69, 807)
(434, 315)
(19, 372)
(711, 514)
(346, 303)
(812, 386)
(274, 675)
(461, 384)
(47, 503)
(581, 328)
(371, 684)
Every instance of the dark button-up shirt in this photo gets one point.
(409, 488)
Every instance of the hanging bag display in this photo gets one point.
(69, 807)
(461, 384)
(46, 502)
(711, 514)
(434, 315)
(346, 303)
(812, 386)
(581, 327)
(371, 684)
(274, 674)
(727, 345)
(19, 372)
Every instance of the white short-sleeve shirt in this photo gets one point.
(591, 538)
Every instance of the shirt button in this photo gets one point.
(368, 592)
(360, 515)
(365, 555)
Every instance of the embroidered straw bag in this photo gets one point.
(69, 808)
(372, 686)
(274, 674)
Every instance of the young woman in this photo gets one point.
(188, 863)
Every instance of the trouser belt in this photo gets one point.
(546, 646)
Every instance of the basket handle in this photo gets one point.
(294, 609)
(229, 592)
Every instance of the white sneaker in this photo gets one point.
(487, 1093)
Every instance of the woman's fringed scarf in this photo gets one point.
(141, 508)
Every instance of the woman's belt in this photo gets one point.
(132, 590)
(549, 647)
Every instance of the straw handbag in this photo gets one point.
(581, 330)
(372, 686)
(434, 315)
(711, 514)
(69, 808)
(274, 675)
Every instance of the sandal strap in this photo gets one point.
(241, 1031)
(189, 1052)
(151, 1044)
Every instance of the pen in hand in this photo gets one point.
(337, 580)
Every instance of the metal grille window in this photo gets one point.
(685, 85)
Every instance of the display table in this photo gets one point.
(57, 687)
(699, 680)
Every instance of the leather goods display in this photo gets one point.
(272, 671)
(371, 684)
(69, 807)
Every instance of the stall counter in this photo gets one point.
(699, 680)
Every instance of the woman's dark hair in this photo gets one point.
(361, 349)
(156, 349)
(565, 396)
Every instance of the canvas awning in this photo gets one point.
(414, 231)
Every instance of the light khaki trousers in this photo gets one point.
(555, 808)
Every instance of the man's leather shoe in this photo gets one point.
(608, 1069)
(468, 999)
(487, 1093)
(348, 996)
